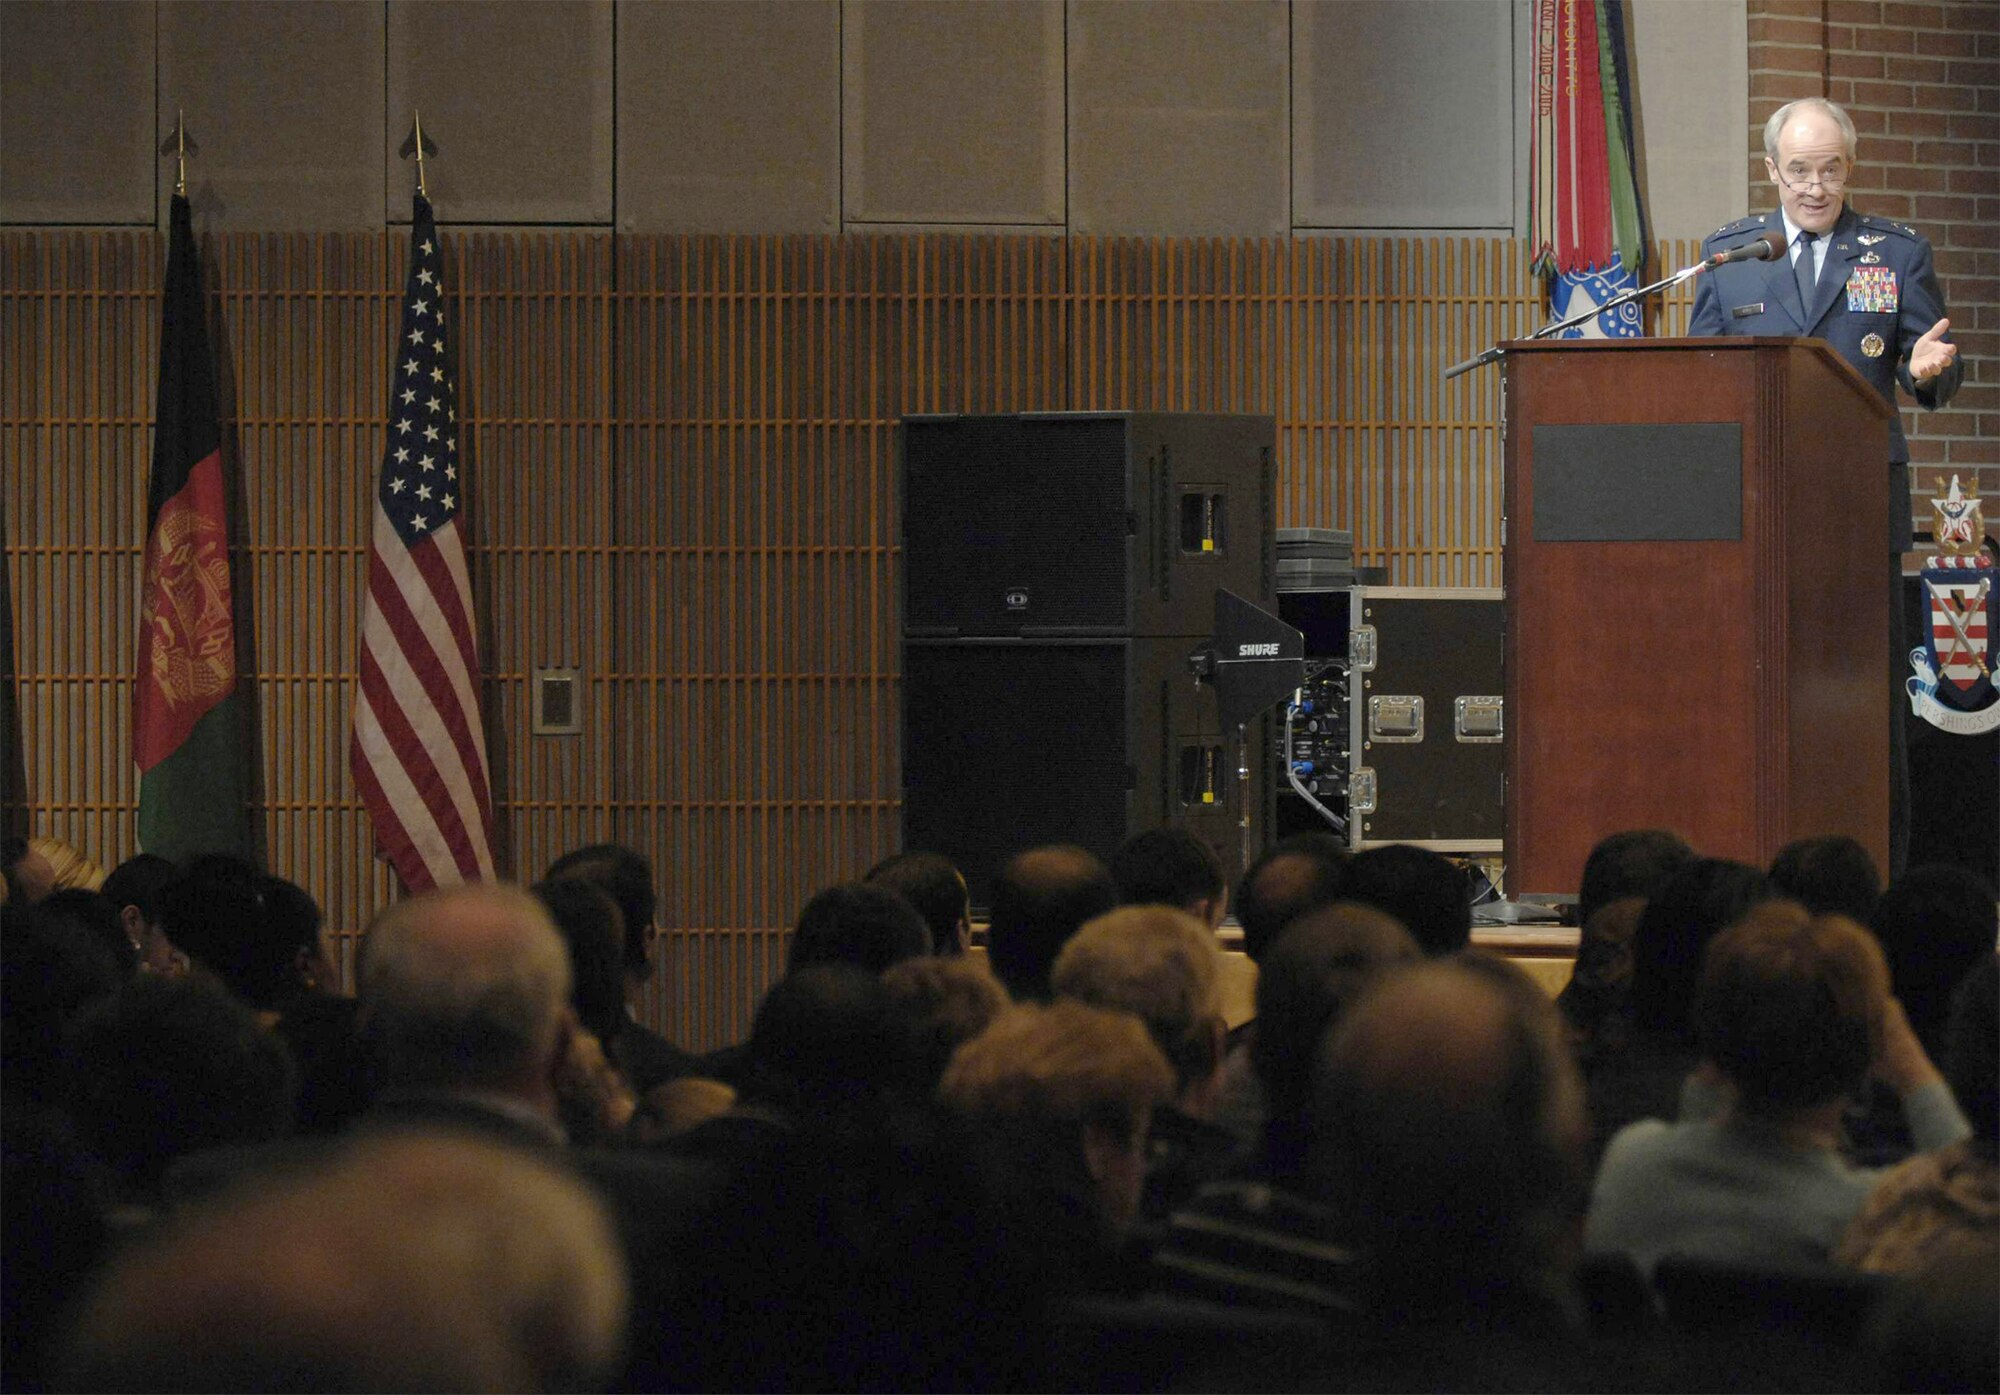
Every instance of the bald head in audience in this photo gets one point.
(412, 1262)
(468, 990)
(1040, 899)
(1450, 1130)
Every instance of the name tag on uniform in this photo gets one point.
(1872, 289)
(1744, 312)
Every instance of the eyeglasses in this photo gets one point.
(1832, 179)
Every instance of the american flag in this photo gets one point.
(418, 750)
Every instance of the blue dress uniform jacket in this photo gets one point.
(1877, 291)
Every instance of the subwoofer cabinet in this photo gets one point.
(1058, 569)
(1403, 739)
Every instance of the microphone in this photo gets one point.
(1771, 244)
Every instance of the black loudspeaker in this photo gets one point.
(1058, 570)
(1050, 525)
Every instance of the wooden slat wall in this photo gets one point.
(681, 480)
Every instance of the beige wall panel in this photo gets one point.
(1691, 86)
(285, 100)
(729, 116)
(518, 97)
(953, 111)
(76, 112)
(1403, 114)
(1178, 117)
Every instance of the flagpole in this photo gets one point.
(180, 147)
(419, 145)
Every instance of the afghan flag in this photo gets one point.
(186, 732)
(1587, 228)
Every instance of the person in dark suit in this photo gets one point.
(1866, 286)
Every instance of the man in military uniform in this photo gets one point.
(1863, 284)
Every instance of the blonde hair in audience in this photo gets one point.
(1162, 966)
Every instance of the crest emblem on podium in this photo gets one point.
(1952, 685)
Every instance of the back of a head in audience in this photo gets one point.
(1041, 898)
(27, 871)
(169, 1066)
(1318, 967)
(413, 1262)
(1832, 875)
(935, 887)
(93, 916)
(824, 1038)
(1789, 1008)
(1297, 874)
(467, 990)
(1058, 1098)
(939, 1005)
(627, 878)
(1972, 1054)
(1428, 893)
(49, 975)
(1633, 863)
(870, 927)
(259, 935)
(1171, 867)
(135, 887)
(1449, 1131)
(1935, 923)
(1689, 909)
(593, 932)
(1162, 966)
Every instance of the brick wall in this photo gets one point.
(1922, 82)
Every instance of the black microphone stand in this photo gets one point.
(1546, 331)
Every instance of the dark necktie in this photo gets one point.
(1802, 267)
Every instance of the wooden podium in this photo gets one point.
(1695, 557)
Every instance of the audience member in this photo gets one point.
(1642, 1074)
(868, 926)
(1449, 1132)
(168, 1067)
(55, 1229)
(1428, 893)
(1636, 862)
(838, 1219)
(1263, 1238)
(940, 1005)
(1041, 898)
(415, 1262)
(26, 870)
(937, 889)
(1297, 874)
(1621, 874)
(1792, 1013)
(465, 1002)
(1317, 970)
(589, 922)
(1829, 875)
(641, 1054)
(1058, 1101)
(48, 977)
(135, 887)
(1935, 924)
(1946, 1203)
(1162, 966)
(1171, 867)
(91, 914)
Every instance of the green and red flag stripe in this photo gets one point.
(1586, 225)
(187, 736)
